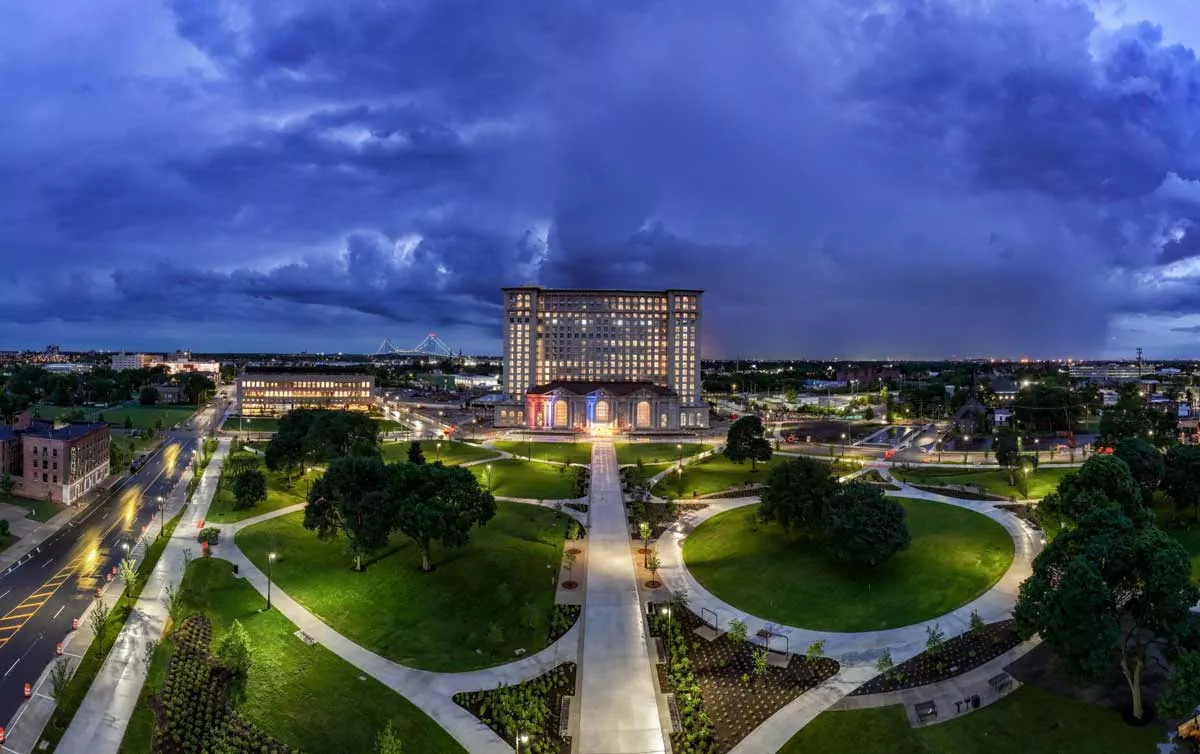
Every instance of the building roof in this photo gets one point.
(72, 431)
(1003, 385)
(584, 388)
(602, 291)
(302, 370)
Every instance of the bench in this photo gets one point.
(925, 711)
(1001, 683)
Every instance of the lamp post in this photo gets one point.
(843, 453)
(679, 447)
(162, 516)
(270, 560)
(667, 612)
(966, 440)
(439, 447)
(1036, 455)
(521, 739)
(489, 472)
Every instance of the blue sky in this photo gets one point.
(855, 178)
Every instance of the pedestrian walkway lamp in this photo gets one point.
(489, 471)
(439, 446)
(966, 439)
(667, 612)
(522, 739)
(679, 447)
(161, 521)
(1036, 455)
(270, 560)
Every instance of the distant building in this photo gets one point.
(170, 394)
(1004, 389)
(53, 349)
(123, 361)
(273, 391)
(1001, 417)
(180, 355)
(1109, 397)
(864, 377)
(210, 368)
(67, 367)
(465, 381)
(64, 461)
(1107, 374)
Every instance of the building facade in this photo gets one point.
(602, 360)
(60, 461)
(122, 361)
(271, 392)
(1108, 374)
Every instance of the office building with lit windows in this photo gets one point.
(602, 360)
(270, 391)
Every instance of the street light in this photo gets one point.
(161, 516)
(439, 456)
(679, 447)
(966, 439)
(270, 560)
(1036, 457)
(843, 444)
(489, 471)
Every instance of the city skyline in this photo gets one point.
(972, 179)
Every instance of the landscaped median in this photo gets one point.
(955, 556)
(299, 694)
(481, 604)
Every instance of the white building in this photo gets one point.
(122, 361)
(623, 360)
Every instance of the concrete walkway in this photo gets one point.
(100, 722)
(857, 652)
(617, 703)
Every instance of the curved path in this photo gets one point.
(432, 692)
(857, 652)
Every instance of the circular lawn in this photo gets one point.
(955, 556)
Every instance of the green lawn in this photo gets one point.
(390, 425)
(713, 474)
(280, 493)
(143, 417)
(251, 424)
(656, 452)
(1029, 719)
(536, 481)
(39, 509)
(449, 453)
(569, 452)
(994, 481)
(495, 594)
(955, 556)
(305, 696)
(1183, 527)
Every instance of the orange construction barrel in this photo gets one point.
(28, 690)
(1, 734)
(58, 649)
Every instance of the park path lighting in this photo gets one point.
(667, 612)
(161, 516)
(843, 443)
(1036, 452)
(966, 442)
(489, 473)
(521, 739)
(270, 560)
(439, 447)
(679, 447)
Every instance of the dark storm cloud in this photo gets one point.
(859, 178)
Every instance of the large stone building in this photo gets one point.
(273, 391)
(602, 360)
(64, 461)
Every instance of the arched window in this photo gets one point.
(560, 413)
(643, 414)
(602, 416)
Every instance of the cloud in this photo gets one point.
(844, 178)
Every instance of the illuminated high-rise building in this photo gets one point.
(602, 360)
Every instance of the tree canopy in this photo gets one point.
(1103, 481)
(1145, 462)
(797, 495)
(415, 454)
(865, 527)
(352, 499)
(746, 442)
(249, 489)
(437, 503)
(1106, 591)
(308, 436)
(1181, 479)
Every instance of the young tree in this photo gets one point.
(865, 527)
(1145, 462)
(60, 680)
(233, 650)
(1007, 453)
(98, 620)
(797, 495)
(935, 637)
(745, 442)
(415, 454)
(654, 564)
(128, 423)
(569, 562)
(439, 503)
(129, 576)
(1182, 695)
(1104, 481)
(1106, 590)
(352, 499)
(1182, 478)
(884, 664)
(388, 741)
(644, 533)
(249, 489)
(977, 623)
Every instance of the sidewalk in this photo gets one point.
(99, 724)
(618, 707)
(28, 543)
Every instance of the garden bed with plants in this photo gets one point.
(726, 688)
(871, 476)
(194, 712)
(531, 708)
(561, 620)
(944, 658)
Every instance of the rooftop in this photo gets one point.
(283, 369)
(602, 291)
(72, 431)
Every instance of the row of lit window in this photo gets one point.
(307, 383)
(265, 394)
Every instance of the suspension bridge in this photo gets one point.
(432, 345)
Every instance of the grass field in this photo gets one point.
(251, 424)
(536, 481)
(994, 481)
(955, 556)
(39, 509)
(495, 594)
(1029, 719)
(303, 695)
(280, 494)
(568, 452)
(713, 474)
(450, 453)
(656, 452)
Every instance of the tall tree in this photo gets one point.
(1145, 462)
(1103, 481)
(1108, 591)
(1128, 418)
(352, 499)
(1007, 451)
(437, 503)
(746, 442)
(865, 527)
(339, 433)
(1182, 478)
(797, 495)
(415, 454)
(249, 489)
(148, 396)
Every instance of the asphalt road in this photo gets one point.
(40, 598)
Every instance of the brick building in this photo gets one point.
(65, 460)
